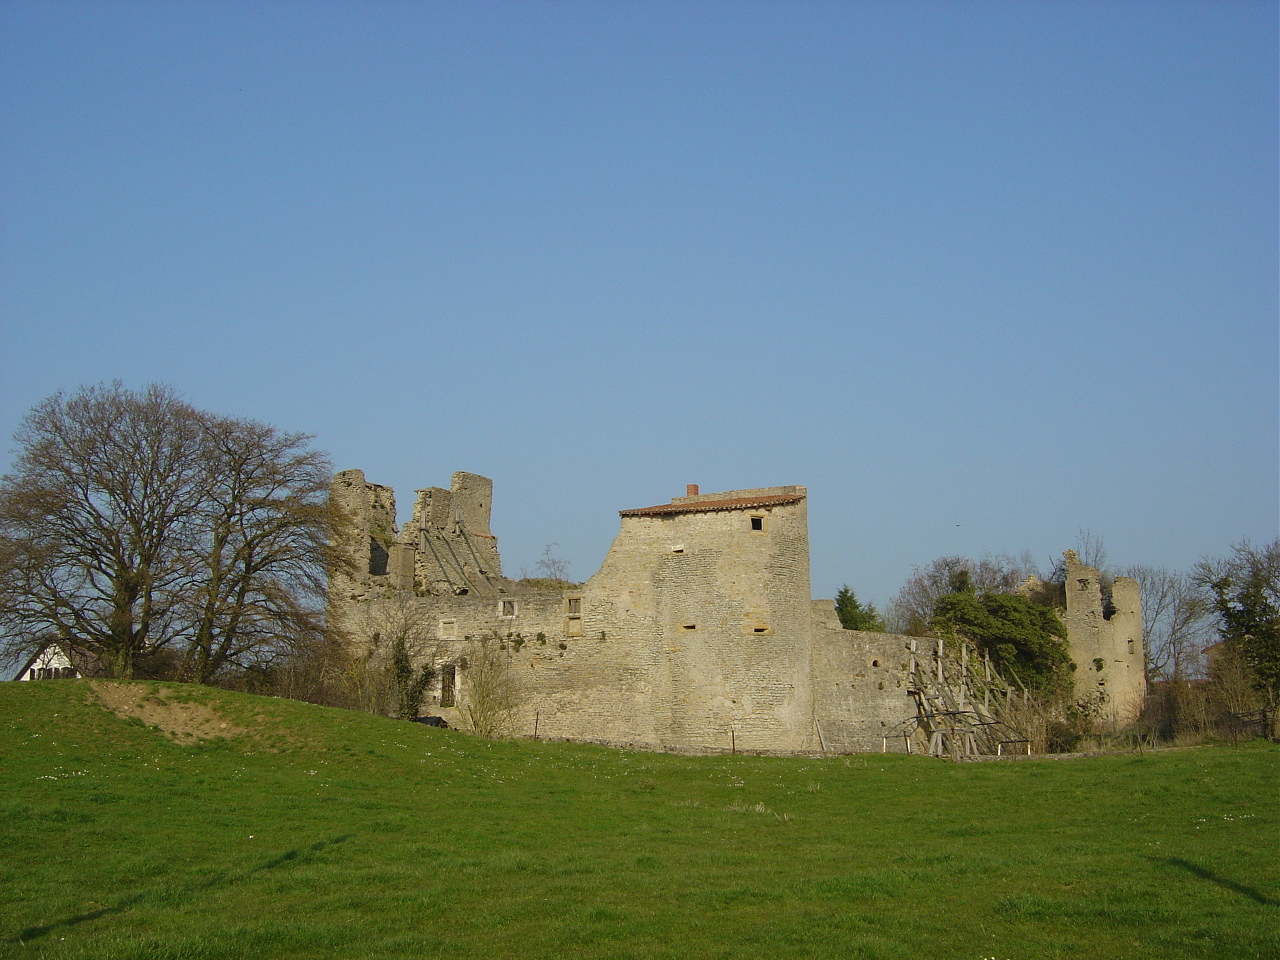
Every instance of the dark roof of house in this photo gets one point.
(712, 506)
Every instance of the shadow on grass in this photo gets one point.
(1212, 877)
(185, 890)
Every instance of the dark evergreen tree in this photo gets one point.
(1021, 637)
(854, 615)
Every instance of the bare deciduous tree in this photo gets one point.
(134, 524)
(911, 610)
(389, 670)
(1091, 549)
(551, 566)
(1230, 683)
(261, 546)
(93, 520)
(491, 693)
(1176, 622)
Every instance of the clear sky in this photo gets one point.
(978, 274)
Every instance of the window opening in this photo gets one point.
(448, 684)
(573, 605)
(378, 557)
(757, 523)
(508, 608)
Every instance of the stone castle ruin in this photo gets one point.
(698, 632)
(1104, 636)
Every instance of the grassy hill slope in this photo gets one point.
(271, 828)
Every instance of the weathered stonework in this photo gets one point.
(1105, 641)
(697, 632)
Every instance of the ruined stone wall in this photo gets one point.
(371, 508)
(455, 552)
(861, 684)
(446, 548)
(697, 632)
(570, 686)
(451, 617)
(592, 690)
(1105, 644)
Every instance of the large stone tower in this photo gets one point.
(713, 589)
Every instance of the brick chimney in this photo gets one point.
(690, 489)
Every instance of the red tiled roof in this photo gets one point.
(712, 506)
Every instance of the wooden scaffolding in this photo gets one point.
(962, 706)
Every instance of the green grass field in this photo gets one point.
(321, 833)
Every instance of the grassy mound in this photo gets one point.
(163, 821)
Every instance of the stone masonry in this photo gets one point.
(698, 632)
(1105, 641)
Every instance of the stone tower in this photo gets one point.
(371, 510)
(1105, 641)
(714, 589)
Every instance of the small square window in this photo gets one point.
(508, 608)
(757, 523)
(573, 605)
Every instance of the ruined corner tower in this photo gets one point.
(1105, 640)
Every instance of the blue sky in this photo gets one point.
(979, 275)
